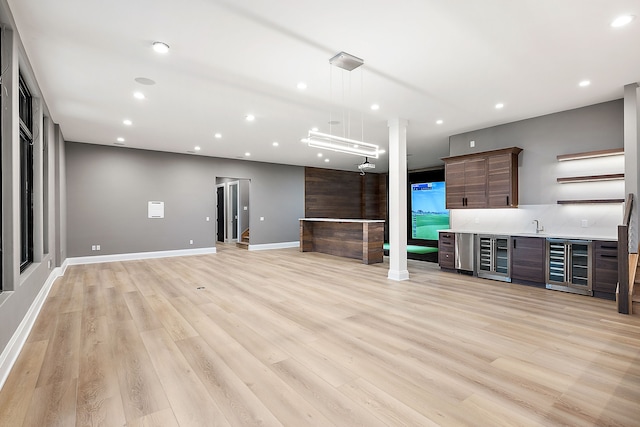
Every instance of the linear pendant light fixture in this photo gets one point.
(342, 144)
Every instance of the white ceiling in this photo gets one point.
(424, 60)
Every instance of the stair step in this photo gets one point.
(242, 245)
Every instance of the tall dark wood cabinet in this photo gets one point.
(527, 260)
(605, 271)
(482, 180)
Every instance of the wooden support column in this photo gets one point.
(398, 200)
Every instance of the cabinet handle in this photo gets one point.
(507, 200)
(608, 247)
(514, 243)
(608, 256)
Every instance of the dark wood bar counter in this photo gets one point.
(350, 238)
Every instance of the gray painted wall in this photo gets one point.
(20, 289)
(108, 189)
(542, 138)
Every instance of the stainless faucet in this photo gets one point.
(539, 228)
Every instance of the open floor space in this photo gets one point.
(298, 339)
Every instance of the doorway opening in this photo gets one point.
(232, 211)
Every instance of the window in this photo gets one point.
(26, 175)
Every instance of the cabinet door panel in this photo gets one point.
(527, 259)
(605, 272)
(499, 181)
(455, 184)
(475, 180)
(446, 250)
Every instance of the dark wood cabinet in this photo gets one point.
(527, 259)
(446, 250)
(466, 184)
(502, 180)
(482, 180)
(605, 271)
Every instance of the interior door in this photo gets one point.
(220, 214)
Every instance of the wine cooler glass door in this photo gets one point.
(579, 266)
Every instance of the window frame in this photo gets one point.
(26, 175)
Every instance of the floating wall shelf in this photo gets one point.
(591, 154)
(591, 178)
(589, 202)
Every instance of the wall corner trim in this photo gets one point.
(269, 246)
(14, 347)
(139, 255)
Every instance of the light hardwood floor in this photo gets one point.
(305, 339)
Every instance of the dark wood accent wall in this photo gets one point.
(341, 194)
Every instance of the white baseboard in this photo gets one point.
(139, 255)
(12, 350)
(268, 246)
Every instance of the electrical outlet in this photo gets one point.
(93, 247)
(584, 223)
(191, 242)
(472, 144)
(207, 219)
(97, 247)
(261, 218)
(476, 220)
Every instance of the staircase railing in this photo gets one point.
(624, 287)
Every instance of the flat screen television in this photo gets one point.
(428, 211)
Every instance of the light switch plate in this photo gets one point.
(584, 223)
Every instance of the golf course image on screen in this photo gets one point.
(428, 212)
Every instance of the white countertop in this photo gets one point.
(341, 220)
(542, 235)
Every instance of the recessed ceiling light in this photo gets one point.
(375, 107)
(499, 105)
(160, 47)
(319, 154)
(250, 117)
(120, 139)
(197, 148)
(127, 122)
(138, 95)
(302, 85)
(584, 83)
(217, 135)
(247, 154)
(439, 122)
(326, 160)
(621, 21)
(275, 144)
